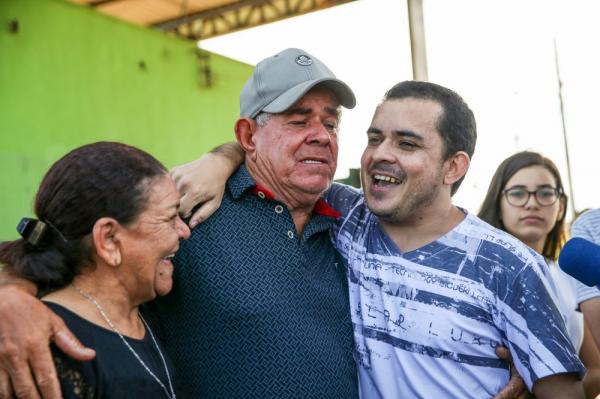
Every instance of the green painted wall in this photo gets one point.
(70, 76)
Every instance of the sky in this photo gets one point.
(497, 54)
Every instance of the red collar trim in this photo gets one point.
(324, 209)
(321, 207)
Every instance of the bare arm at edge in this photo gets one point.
(591, 314)
(590, 356)
(566, 386)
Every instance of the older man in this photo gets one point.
(260, 305)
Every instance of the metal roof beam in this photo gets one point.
(240, 15)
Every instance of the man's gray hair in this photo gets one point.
(263, 118)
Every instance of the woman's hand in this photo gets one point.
(516, 388)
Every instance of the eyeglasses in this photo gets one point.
(545, 196)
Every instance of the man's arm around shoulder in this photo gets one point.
(26, 328)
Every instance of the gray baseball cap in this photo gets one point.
(278, 82)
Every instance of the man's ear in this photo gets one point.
(456, 167)
(245, 129)
(106, 238)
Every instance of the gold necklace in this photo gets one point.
(170, 395)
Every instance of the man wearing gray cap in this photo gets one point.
(260, 307)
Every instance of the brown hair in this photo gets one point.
(490, 208)
(456, 125)
(97, 180)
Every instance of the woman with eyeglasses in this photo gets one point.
(526, 199)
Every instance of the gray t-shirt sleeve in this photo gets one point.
(585, 293)
(588, 226)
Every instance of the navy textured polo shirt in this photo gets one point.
(255, 311)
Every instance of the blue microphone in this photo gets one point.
(580, 258)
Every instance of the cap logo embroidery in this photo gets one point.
(304, 60)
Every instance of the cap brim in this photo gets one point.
(342, 91)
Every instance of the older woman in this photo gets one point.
(107, 226)
(526, 198)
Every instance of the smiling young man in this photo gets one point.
(433, 289)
